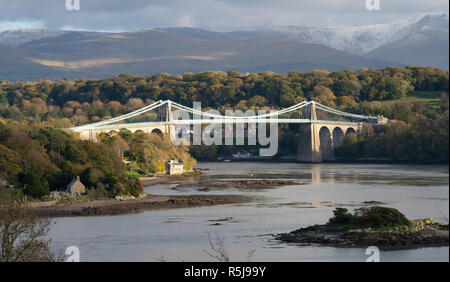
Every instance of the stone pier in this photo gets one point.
(318, 139)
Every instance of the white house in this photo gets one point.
(174, 167)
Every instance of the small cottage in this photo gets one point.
(174, 168)
(75, 186)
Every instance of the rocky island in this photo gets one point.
(386, 228)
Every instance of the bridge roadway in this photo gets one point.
(317, 138)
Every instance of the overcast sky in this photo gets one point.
(219, 15)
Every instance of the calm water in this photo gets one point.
(182, 234)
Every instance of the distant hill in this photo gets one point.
(357, 40)
(145, 52)
(36, 54)
(425, 43)
(20, 36)
(15, 64)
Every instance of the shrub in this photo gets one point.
(375, 217)
(341, 216)
(34, 186)
(379, 217)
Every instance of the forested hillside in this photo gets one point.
(35, 160)
(36, 156)
(65, 103)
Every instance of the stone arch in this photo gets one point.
(326, 144)
(157, 131)
(350, 130)
(338, 137)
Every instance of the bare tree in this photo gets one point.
(250, 255)
(217, 248)
(22, 235)
(161, 258)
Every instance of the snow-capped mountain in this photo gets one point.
(36, 54)
(362, 39)
(424, 43)
(437, 23)
(20, 36)
(354, 40)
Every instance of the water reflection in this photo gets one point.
(405, 175)
(316, 174)
(181, 234)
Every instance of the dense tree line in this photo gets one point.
(36, 160)
(72, 102)
(423, 139)
(35, 154)
(417, 133)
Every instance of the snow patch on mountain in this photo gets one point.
(362, 39)
(20, 36)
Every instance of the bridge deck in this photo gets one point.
(213, 118)
(210, 121)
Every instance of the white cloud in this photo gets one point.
(220, 15)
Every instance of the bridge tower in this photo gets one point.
(169, 128)
(309, 140)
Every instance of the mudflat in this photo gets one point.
(149, 203)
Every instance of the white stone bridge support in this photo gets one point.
(318, 139)
(92, 134)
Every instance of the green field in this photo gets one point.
(429, 95)
(429, 98)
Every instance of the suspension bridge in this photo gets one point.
(322, 129)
